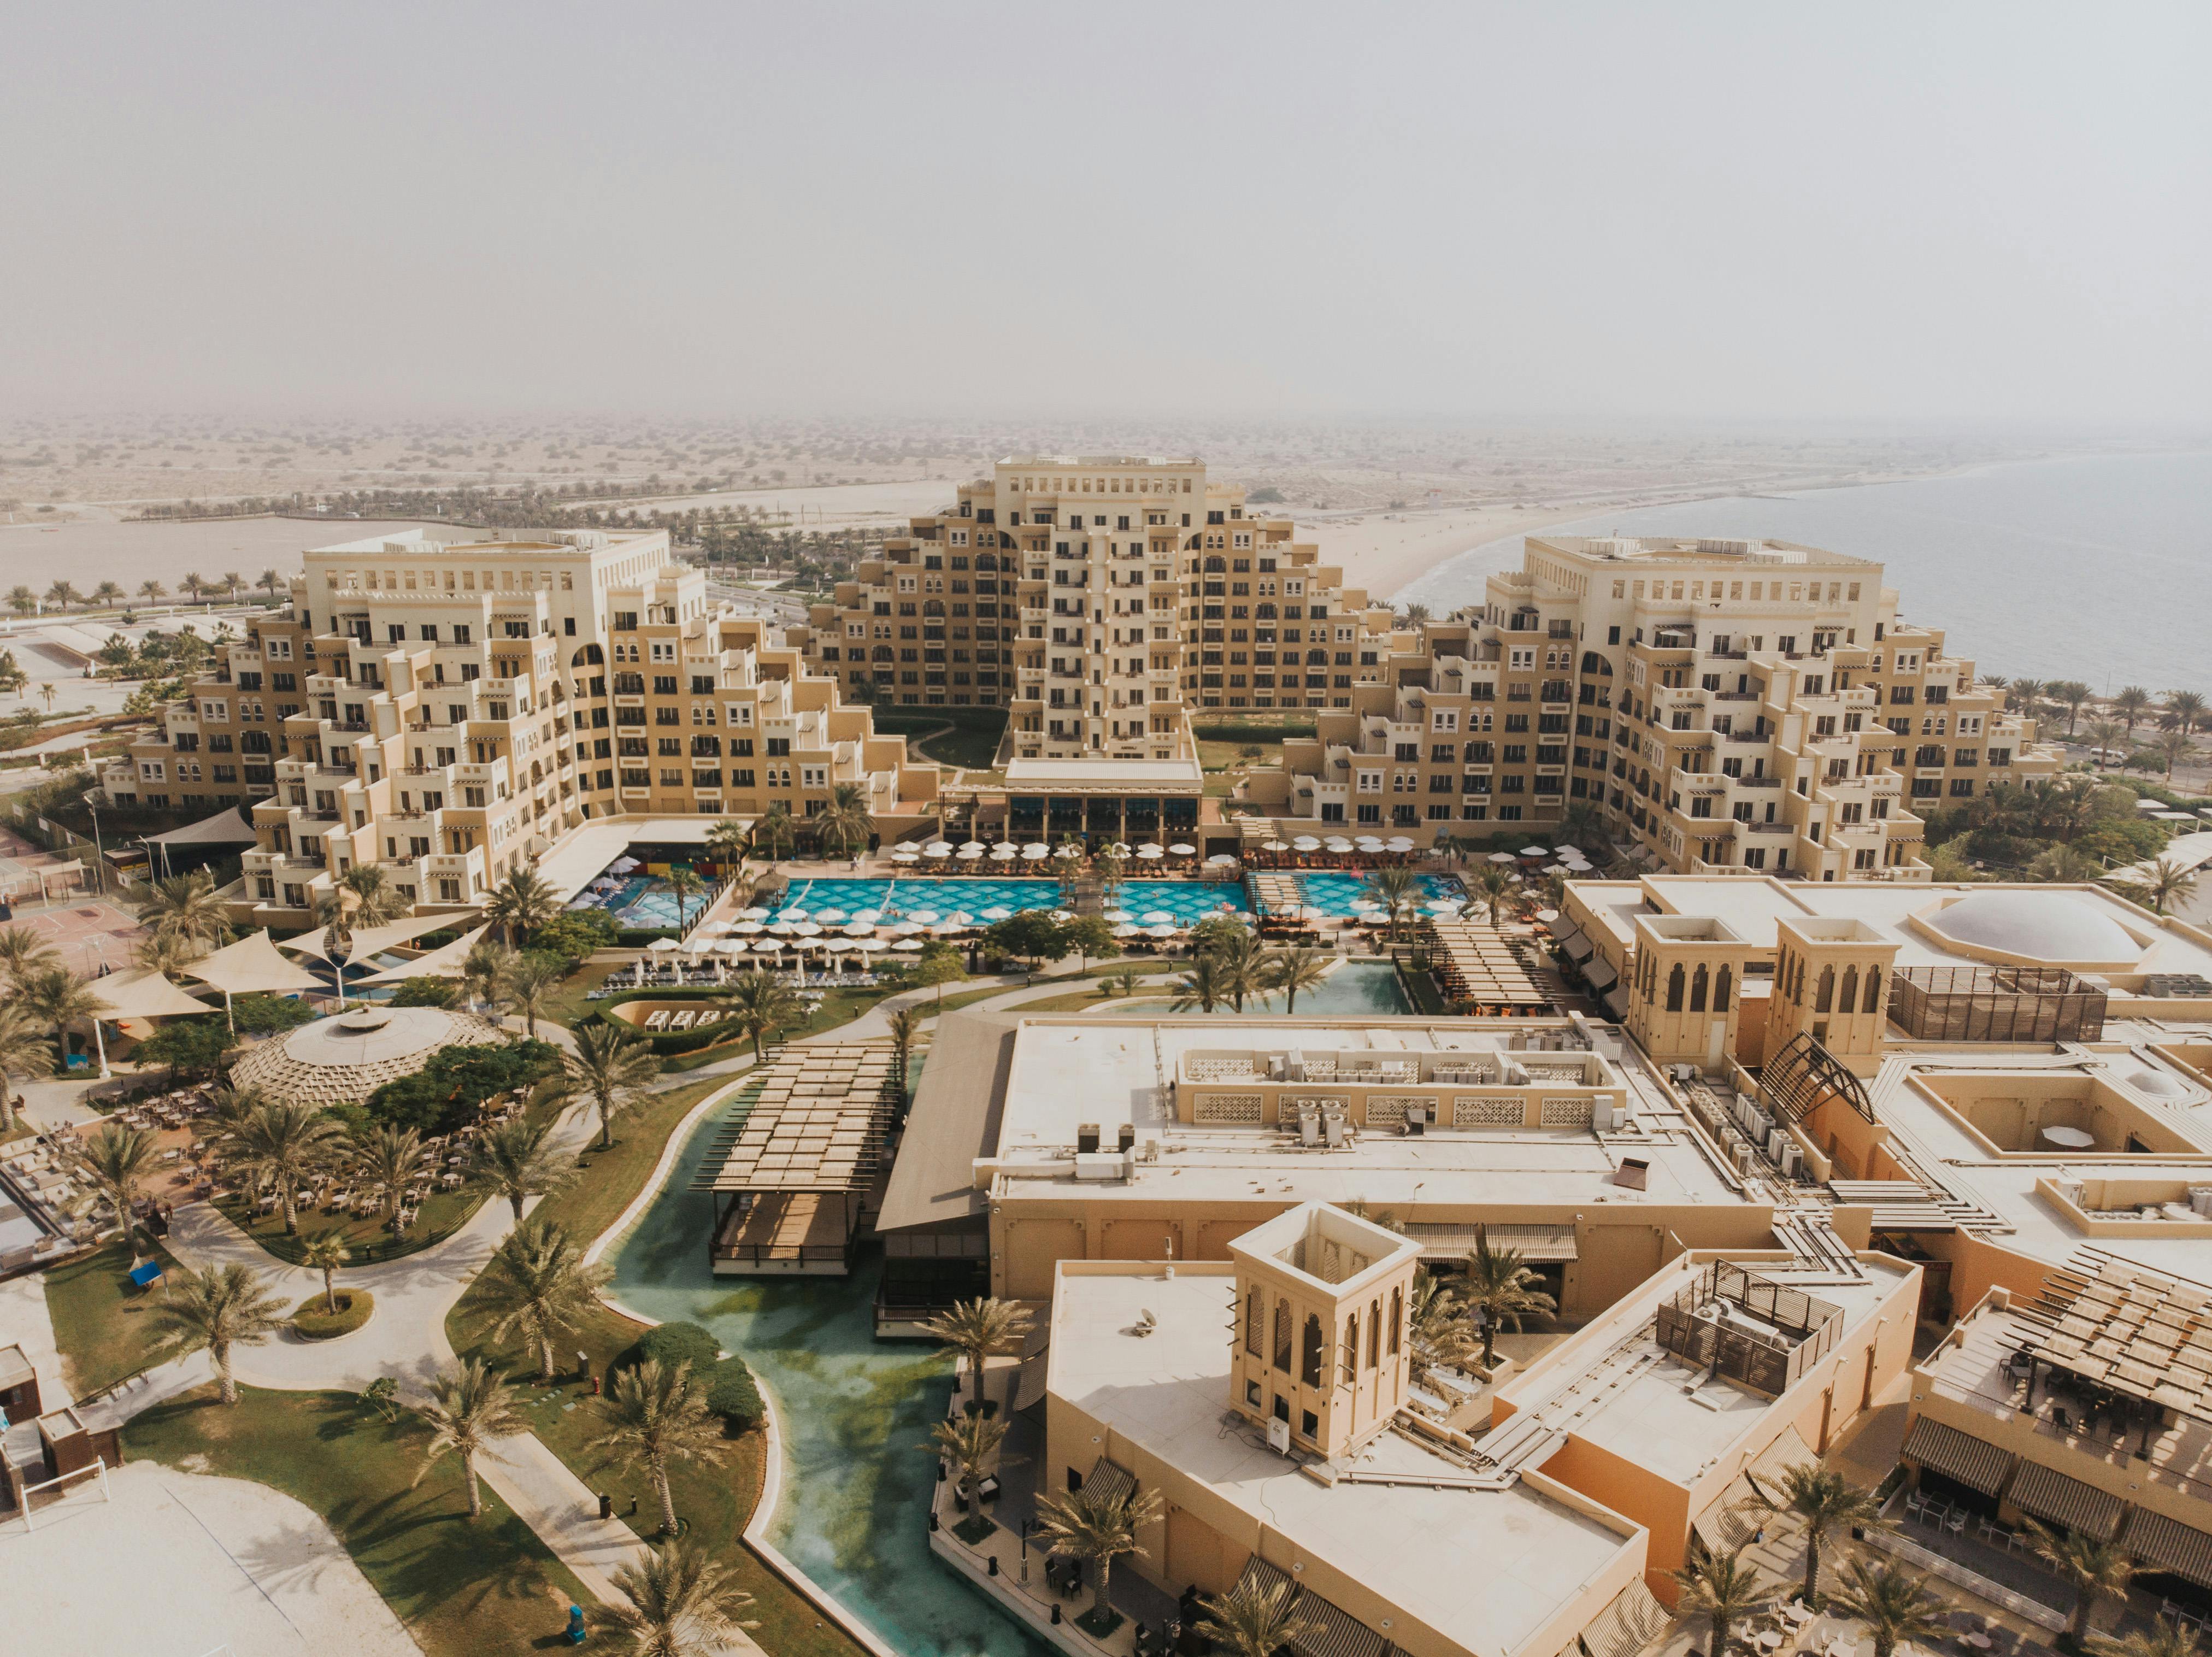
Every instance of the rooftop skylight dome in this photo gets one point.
(2056, 928)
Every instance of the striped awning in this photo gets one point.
(1732, 1519)
(2167, 1544)
(1600, 974)
(1536, 1244)
(1616, 1003)
(1977, 1465)
(1631, 1620)
(1579, 948)
(1331, 1630)
(1110, 1480)
(1566, 938)
(1790, 1450)
(2049, 1494)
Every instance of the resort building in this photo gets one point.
(451, 709)
(1723, 704)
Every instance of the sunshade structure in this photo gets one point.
(254, 965)
(1478, 970)
(343, 1060)
(212, 835)
(443, 962)
(143, 995)
(789, 1178)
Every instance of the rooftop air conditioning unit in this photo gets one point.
(1417, 1118)
(1776, 1139)
(1793, 1158)
(1279, 1436)
(1742, 1156)
(1308, 1127)
(1086, 1138)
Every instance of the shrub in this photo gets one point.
(268, 1016)
(312, 1322)
(444, 1094)
(680, 1343)
(574, 935)
(427, 992)
(732, 1394)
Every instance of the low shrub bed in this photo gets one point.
(313, 1320)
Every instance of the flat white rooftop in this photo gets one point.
(1105, 773)
(1489, 1568)
(1069, 1073)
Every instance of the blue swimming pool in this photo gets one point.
(1336, 893)
(639, 900)
(1186, 900)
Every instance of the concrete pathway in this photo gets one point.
(563, 1510)
(26, 1322)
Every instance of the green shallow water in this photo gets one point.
(855, 1412)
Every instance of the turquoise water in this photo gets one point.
(1356, 987)
(1336, 893)
(641, 900)
(1186, 900)
(856, 1413)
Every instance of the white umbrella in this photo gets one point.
(1339, 844)
(1127, 931)
(794, 914)
(748, 929)
(906, 945)
(905, 930)
(937, 848)
(839, 944)
(959, 921)
(924, 916)
(770, 947)
(972, 845)
(1274, 845)
(1442, 906)
(830, 916)
(781, 929)
(755, 913)
(1121, 849)
(1002, 853)
(622, 866)
(968, 854)
(732, 946)
(1117, 916)
(1535, 851)
(1158, 917)
(1401, 844)
(858, 929)
(664, 945)
(1035, 854)
(807, 930)
(1219, 860)
(997, 913)
(1305, 843)
(1547, 916)
(1179, 849)
(906, 856)
(1149, 851)
(1160, 931)
(716, 928)
(868, 916)
(1061, 914)
(1503, 857)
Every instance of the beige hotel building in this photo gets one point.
(1725, 704)
(451, 709)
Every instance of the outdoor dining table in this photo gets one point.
(1978, 1641)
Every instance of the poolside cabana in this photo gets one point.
(796, 1175)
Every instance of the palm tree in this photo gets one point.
(971, 1444)
(194, 583)
(727, 847)
(905, 1030)
(1493, 884)
(2132, 702)
(678, 1601)
(2106, 737)
(469, 1407)
(2162, 1638)
(524, 901)
(759, 1005)
(1896, 1605)
(1200, 987)
(845, 822)
(1110, 862)
(168, 952)
(975, 1329)
(285, 1141)
(22, 600)
(485, 968)
(24, 1051)
(1098, 1526)
(2025, 694)
(1239, 965)
(1498, 1291)
(682, 882)
(232, 580)
(62, 593)
(525, 984)
(271, 582)
(2186, 707)
(537, 1284)
(2095, 1569)
(1252, 1620)
(388, 1160)
(119, 1161)
(24, 952)
(189, 906)
(47, 692)
(2164, 885)
(516, 1159)
(609, 1071)
(1724, 1589)
(107, 594)
(1397, 890)
(656, 1416)
(1827, 1502)
(2173, 747)
(1292, 969)
(2070, 694)
(325, 1252)
(218, 1309)
(773, 832)
(152, 591)
(56, 999)
(1437, 1325)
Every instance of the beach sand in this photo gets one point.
(1382, 552)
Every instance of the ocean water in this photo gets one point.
(2097, 569)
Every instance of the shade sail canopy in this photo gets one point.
(143, 995)
(253, 965)
(225, 828)
(443, 962)
(373, 940)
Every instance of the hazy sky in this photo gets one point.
(1861, 210)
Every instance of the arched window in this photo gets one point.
(1373, 1333)
(1873, 991)
(1721, 986)
(1824, 996)
(1674, 988)
(1283, 1336)
(1255, 1323)
(1697, 982)
(589, 656)
(1397, 1318)
(1310, 1357)
(1348, 1365)
(1849, 998)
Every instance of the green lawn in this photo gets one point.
(566, 1003)
(962, 745)
(461, 1588)
(101, 1323)
(718, 1502)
